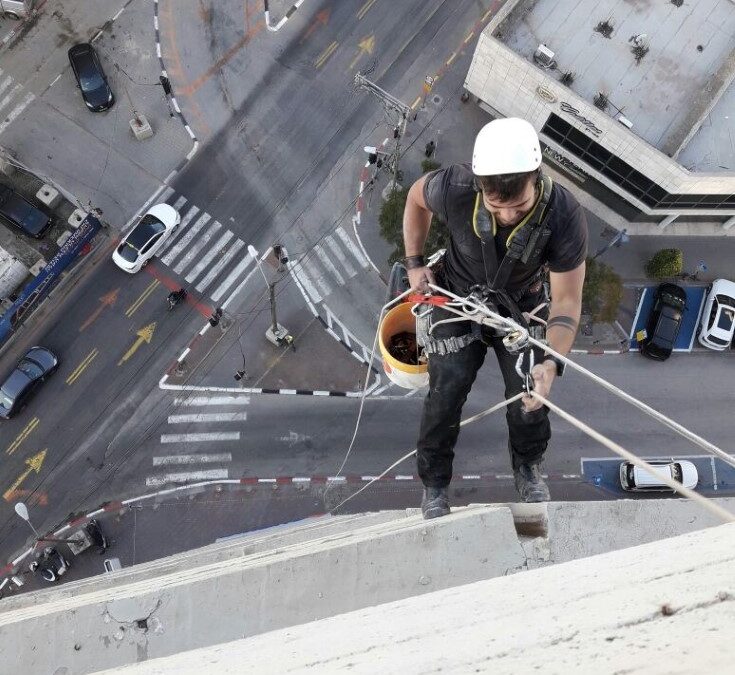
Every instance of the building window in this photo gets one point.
(622, 174)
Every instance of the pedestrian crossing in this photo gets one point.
(14, 99)
(213, 259)
(186, 428)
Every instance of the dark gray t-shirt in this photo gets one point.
(450, 194)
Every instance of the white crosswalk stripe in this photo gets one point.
(334, 247)
(10, 96)
(178, 203)
(192, 459)
(5, 84)
(313, 271)
(197, 246)
(219, 266)
(197, 401)
(185, 239)
(208, 257)
(329, 264)
(203, 437)
(350, 245)
(15, 112)
(189, 477)
(232, 277)
(194, 418)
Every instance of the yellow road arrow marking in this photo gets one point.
(80, 368)
(22, 436)
(106, 300)
(142, 298)
(365, 46)
(145, 334)
(34, 464)
(322, 58)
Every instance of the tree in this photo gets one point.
(391, 225)
(668, 262)
(602, 292)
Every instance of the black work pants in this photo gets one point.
(450, 379)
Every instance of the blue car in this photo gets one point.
(24, 381)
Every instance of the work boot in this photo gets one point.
(435, 502)
(529, 483)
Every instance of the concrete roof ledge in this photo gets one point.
(664, 607)
(318, 569)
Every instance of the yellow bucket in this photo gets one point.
(400, 320)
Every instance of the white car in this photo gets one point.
(718, 316)
(146, 238)
(634, 479)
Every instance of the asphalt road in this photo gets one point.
(107, 429)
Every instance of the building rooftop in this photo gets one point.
(669, 91)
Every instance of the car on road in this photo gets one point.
(664, 321)
(146, 238)
(24, 381)
(718, 316)
(91, 79)
(20, 213)
(635, 479)
(16, 9)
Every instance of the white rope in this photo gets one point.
(364, 389)
(474, 418)
(713, 508)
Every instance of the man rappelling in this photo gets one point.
(508, 224)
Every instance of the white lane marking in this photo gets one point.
(232, 277)
(11, 95)
(212, 400)
(15, 112)
(195, 248)
(351, 272)
(179, 203)
(208, 417)
(183, 242)
(351, 246)
(637, 314)
(189, 477)
(192, 459)
(305, 282)
(5, 83)
(329, 264)
(207, 259)
(714, 473)
(191, 213)
(55, 80)
(224, 260)
(201, 437)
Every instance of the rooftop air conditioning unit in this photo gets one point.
(544, 56)
(625, 122)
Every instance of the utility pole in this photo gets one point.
(276, 333)
(397, 112)
(620, 238)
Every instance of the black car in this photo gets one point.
(20, 213)
(90, 77)
(31, 371)
(664, 322)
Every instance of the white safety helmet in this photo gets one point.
(508, 145)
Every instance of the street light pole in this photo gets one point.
(22, 510)
(276, 333)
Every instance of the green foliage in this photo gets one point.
(391, 227)
(668, 262)
(429, 165)
(602, 292)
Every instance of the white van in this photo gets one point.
(635, 479)
(16, 9)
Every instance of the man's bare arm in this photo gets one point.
(416, 224)
(566, 308)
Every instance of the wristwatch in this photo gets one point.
(560, 365)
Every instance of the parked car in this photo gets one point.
(28, 375)
(16, 9)
(20, 213)
(635, 479)
(718, 316)
(146, 238)
(90, 77)
(664, 321)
